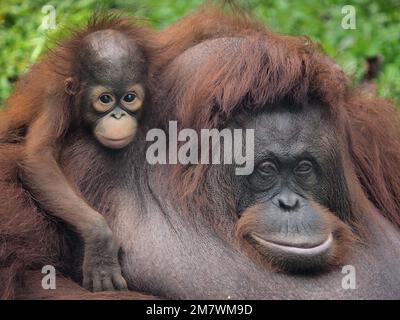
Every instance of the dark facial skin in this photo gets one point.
(115, 89)
(284, 205)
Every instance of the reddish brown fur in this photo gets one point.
(376, 151)
(296, 71)
(27, 238)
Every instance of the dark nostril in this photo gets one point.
(288, 204)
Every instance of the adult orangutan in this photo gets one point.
(225, 235)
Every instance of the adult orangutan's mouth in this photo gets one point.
(296, 250)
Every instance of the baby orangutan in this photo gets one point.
(106, 91)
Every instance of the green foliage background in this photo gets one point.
(22, 40)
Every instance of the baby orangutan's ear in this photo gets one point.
(71, 86)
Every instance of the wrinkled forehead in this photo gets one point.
(110, 57)
(293, 130)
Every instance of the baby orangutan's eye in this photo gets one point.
(106, 98)
(129, 97)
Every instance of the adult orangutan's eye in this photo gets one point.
(304, 168)
(268, 169)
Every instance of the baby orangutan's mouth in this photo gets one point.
(115, 143)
